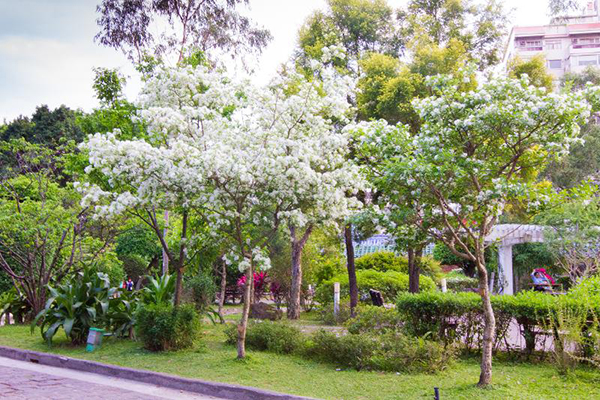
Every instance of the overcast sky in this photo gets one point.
(47, 50)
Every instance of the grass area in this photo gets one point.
(215, 361)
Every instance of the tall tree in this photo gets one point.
(211, 26)
(50, 128)
(472, 155)
(44, 233)
(479, 25)
(242, 158)
(358, 26)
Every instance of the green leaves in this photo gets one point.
(86, 301)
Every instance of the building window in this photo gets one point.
(553, 44)
(586, 42)
(587, 60)
(529, 45)
(555, 64)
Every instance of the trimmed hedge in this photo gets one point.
(458, 317)
(384, 261)
(390, 284)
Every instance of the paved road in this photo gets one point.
(23, 380)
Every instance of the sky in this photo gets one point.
(47, 48)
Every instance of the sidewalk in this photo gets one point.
(26, 380)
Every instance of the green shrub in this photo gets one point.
(77, 305)
(433, 313)
(389, 283)
(270, 336)
(401, 353)
(203, 289)
(588, 287)
(384, 261)
(165, 327)
(325, 268)
(353, 351)
(374, 319)
(13, 303)
(461, 283)
(134, 266)
(329, 318)
(391, 351)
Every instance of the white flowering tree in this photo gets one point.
(474, 152)
(242, 158)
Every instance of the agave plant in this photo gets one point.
(76, 306)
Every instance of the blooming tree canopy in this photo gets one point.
(243, 158)
(474, 152)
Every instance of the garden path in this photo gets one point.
(24, 380)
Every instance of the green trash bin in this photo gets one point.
(94, 339)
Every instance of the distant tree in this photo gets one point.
(578, 80)
(358, 26)
(536, 70)
(45, 235)
(582, 162)
(479, 25)
(47, 127)
(212, 26)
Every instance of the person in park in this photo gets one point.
(541, 283)
(129, 285)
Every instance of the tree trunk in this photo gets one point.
(293, 310)
(489, 322)
(241, 341)
(352, 283)
(181, 261)
(414, 269)
(165, 256)
(223, 290)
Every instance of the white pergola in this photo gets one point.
(506, 236)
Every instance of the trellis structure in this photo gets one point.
(506, 236)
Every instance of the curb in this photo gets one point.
(214, 389)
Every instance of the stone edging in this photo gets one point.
(215, 389)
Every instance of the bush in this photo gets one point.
(165, 327)
(401, 353)
(587, 288)
(268, 336)
(203, 289)
(389, 283)
(384, 261)
(351, 351)
(329, 318)
(390, 351)
(374, 319)
(434, 313)
(13, 303)
(325, 268)
(458, 317)
(76, 306)
(460, 282)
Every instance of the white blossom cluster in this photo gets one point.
(476, 148)
(242, 156)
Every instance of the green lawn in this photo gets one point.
(216, 361)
